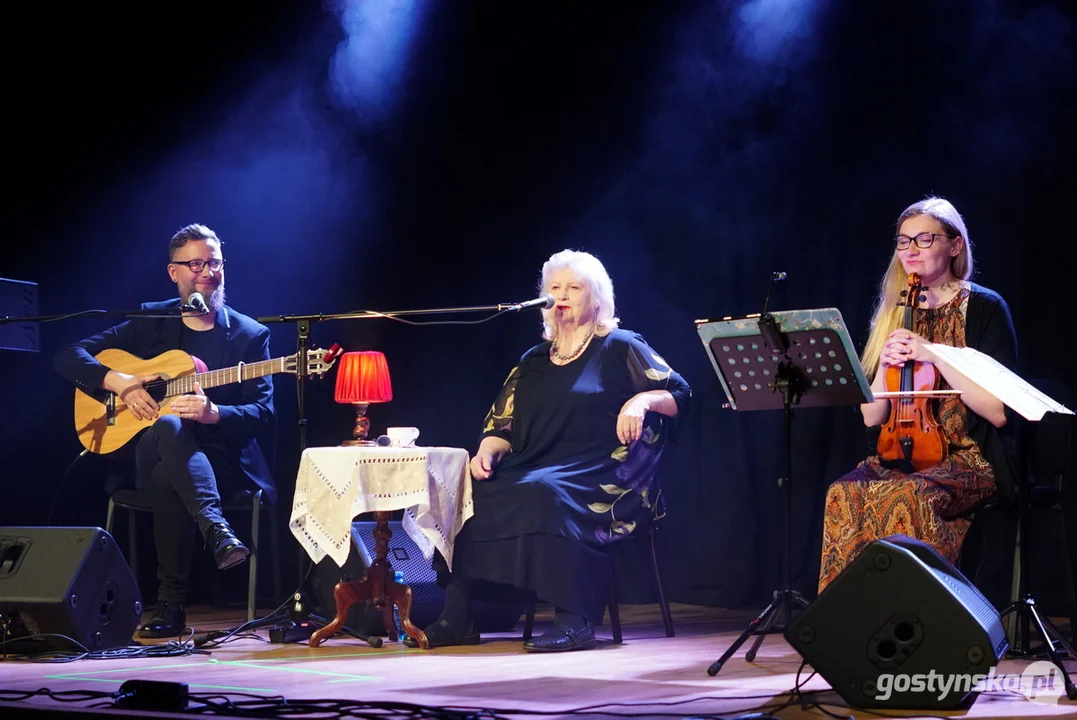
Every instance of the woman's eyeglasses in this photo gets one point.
(923, 240)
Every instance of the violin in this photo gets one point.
(911, 439)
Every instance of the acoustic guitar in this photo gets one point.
(105, 424)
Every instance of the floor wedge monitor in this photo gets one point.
(900, 627)
(66, 581)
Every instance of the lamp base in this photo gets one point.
(358, 443)
(361, 429)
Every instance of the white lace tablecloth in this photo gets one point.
(432, 485)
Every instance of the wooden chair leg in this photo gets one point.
(663, 604)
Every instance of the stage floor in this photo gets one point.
(650, 675)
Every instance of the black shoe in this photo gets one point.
(228, 551)
(440, 634)
(563, 640)
(168, 620)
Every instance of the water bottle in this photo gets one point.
(398, 576)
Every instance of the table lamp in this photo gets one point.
(362, 379)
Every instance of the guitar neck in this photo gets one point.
(226, 376)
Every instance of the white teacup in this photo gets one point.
(402, 436)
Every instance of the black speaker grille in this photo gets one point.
(973, 601)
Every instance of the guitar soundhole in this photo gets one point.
(157, 389)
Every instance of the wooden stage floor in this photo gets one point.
(650, 675)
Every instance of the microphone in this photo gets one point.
(545, 303)
(195, 303)
(768, 326)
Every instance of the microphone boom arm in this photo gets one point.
(370, 314)
(141, 312)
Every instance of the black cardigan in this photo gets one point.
(989, 329)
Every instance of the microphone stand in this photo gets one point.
(787, 380)
(369, 314)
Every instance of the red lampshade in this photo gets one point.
(363, 377)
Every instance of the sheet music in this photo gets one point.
(1000, 381)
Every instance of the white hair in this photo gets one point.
(591, 271)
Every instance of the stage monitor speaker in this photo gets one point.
(900, 627)
(428, 597)
(69, 581)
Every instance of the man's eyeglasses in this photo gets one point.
(198, 266)
(923, 240)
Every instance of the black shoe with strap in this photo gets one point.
(562, 639)
(167, 620)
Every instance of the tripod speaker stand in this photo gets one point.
(775, 361)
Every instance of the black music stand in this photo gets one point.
(771, 362)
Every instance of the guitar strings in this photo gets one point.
(158, 389)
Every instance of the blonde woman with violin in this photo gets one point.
(945, 444)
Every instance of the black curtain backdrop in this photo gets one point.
(389, 156)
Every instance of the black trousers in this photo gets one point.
(173, 464)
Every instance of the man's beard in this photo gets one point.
(214, 301)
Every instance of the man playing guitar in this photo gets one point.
(190, 445)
